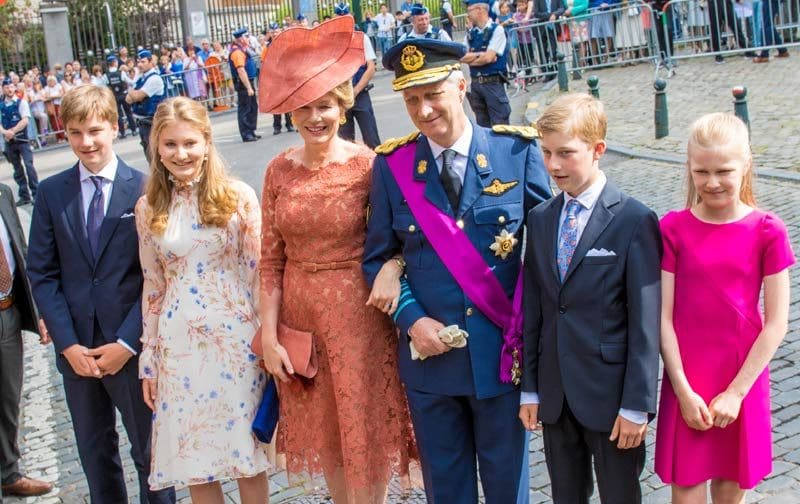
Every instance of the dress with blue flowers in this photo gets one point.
(200, 310)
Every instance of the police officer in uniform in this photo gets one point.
(436, 193)
(145, 96)
(421, 23)
(486, 57)
(244, 71)
(113, 78)
(362, 108)
(14, 116)
(446, 17)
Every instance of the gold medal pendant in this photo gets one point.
(504, 244)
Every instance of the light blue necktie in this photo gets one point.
(568, 238)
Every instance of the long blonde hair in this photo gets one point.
(719, 131)
(216, 198)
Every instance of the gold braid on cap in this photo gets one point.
(426, 76)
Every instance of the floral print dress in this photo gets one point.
(199, 307)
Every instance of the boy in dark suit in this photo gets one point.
(592, 302)
(83, 264)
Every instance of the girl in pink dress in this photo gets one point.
(714, 419)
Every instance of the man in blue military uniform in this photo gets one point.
(113, 79)
(145, 96)
(362, 108)
(421, 23)
(450, 203)
(14, 116)
(244, 70)
(486, 57)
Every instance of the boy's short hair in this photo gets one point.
(84, 101)
(577, 114)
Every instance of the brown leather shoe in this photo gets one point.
(27, 487)
(783, 54)
(761, 59)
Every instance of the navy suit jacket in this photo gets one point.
(72, 290)
(593, 340)
(475, 369)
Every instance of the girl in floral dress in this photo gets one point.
(199, 244)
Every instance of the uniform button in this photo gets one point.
(501, 219)
(470, 311)
(95, 281)
(412, 228)
(562, 309)
(460, 223)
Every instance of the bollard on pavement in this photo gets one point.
(740, 105)
(594, 86)
(576, 71)
(563, 78)
(661, 114)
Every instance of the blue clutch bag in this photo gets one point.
(267, 415)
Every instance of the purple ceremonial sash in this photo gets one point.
(465, 263)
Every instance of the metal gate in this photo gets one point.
(224, 16)
(21, 38)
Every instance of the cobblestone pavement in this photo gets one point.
(699, 87)
(47, 441)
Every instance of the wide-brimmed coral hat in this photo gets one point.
(304, 64)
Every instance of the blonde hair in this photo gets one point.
(576, 114)
(721, 132)
(344, 94)
(216, 198)
(82, 102)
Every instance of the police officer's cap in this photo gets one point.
(7, 81)
(418, 9)
(274, 25)
(241, 32)
(144, 54)
(341, 9)
(470, 3)
(419, 61)
(111, 58)
(300, 17)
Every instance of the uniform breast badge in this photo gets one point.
(481, 160)
(412, 59)
(504, 244)
(497, 187)
(422, 167)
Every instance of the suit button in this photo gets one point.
(562, 309)
(470, 311)
(460, 223)
(501, 219)
(412, 228)
(95, 281)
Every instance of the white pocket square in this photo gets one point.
(600, 253)
(127, 215)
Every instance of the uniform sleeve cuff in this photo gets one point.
(637, 417)
(528, 398)
(127, 346)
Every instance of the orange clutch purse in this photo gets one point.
(298, 344)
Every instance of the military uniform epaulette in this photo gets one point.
(526, 132)
(392, 144)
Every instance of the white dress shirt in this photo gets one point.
(108, 173)
(6, 242)
(461, 146)
(588, 200)
(414, 35)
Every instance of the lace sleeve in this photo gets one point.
(273, 256)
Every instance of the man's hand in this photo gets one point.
(129, 99)
(81, 363)
(628, 434)
(425, 335)
(250, 92)
(529, 416)
(150, 392)
(9, 135)
(110, 357)
(44, 336)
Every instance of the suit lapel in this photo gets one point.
(73, 207)
(473, 183)
(599, 220)
(551, 218)
(121, 191)
(7, 212)
(434, 190)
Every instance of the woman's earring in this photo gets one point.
(342, 121)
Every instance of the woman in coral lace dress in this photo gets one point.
(350, 420)
(199, 243)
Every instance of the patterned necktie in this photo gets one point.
(6, 280)
(96, 213)
(450, 179)
(568, 238)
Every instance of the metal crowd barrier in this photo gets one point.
(623, 35)
(211, 85)
(698, 27)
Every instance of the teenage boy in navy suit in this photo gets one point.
(83, 263)
(592, 303)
